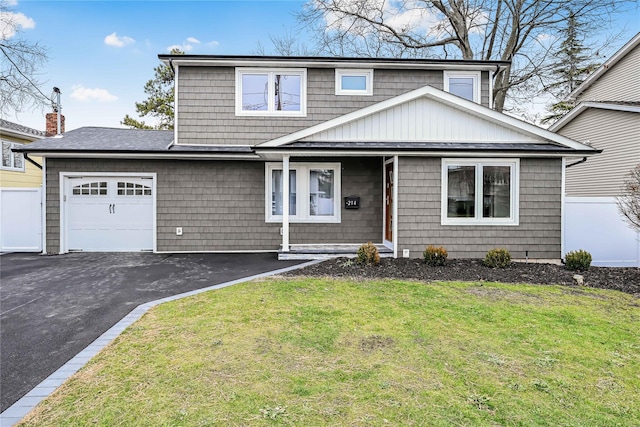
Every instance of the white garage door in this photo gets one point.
(109, 214)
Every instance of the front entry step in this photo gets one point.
(300, 252)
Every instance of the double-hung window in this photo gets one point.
(480, 191)
(11, 160)
(354, 82)
(464, 84)
(271, 92)
(314, 192)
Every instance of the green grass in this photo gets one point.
(313, 352)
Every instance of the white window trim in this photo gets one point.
(368, 74)
(514, 219)
(475, 75)
(271, 72)
(302, 193)
(12, 168)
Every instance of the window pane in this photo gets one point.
(321, 198)
(461, 191)
(6, 154)
(276, 192)
(496, 181)
(18, 160)
(254, 92)
(462, 87)
(287, 90)
(354, 83)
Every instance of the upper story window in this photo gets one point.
(354, 82)
(480, 191)
(271, 92)
(10, 160)
(465, 84)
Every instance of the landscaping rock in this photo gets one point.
(579, 279)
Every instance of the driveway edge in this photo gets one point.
(13, 414)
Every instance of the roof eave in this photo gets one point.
(328, 62)
(621, 53)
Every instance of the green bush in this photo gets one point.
(435, 256)
(368, 254)
(497, 258)
(578, 260)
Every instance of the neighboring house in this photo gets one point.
(607, 117)
(20, 191)
(275, 153)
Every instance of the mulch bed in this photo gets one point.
(472, 270)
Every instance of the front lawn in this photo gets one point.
(313, 352)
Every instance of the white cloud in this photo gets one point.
(11, 3)
(118, 41)
(11, 22)
(84, 94)
(189, 43)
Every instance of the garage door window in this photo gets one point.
(133, 189)
(91, 189)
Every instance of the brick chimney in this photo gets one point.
(52, 124)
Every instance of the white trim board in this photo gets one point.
(436, 95)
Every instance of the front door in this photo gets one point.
(388, 205)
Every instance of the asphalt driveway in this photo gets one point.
(52, 307)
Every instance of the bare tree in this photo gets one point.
(508, 30)
(20, 62)
(629, 200)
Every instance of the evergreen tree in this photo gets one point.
(159, 103)
(572, 66)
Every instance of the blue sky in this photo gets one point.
(101, 53)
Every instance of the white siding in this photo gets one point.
(422, 120)
(620, 83)
(615, 132)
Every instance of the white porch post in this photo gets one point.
(394, 231)
(285, 203)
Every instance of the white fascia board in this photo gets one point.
(234, 62)
(624, 50)
(578, 109)
(17, 134)
(440, 96)
(277, 154)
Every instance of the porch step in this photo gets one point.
(298, 252)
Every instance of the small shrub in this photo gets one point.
(368, 254)
(578, 260)
(497, 258)
(435, 256)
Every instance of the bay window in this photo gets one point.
(480, 191)
(314, 192)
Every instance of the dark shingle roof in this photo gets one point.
(6, 124)
(113, 140)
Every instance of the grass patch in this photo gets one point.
(339, 352)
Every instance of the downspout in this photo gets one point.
(491, 80)
(584, 159)
(30, 160)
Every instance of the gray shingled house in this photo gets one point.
(303, 155)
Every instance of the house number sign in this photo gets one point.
(352, 202)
